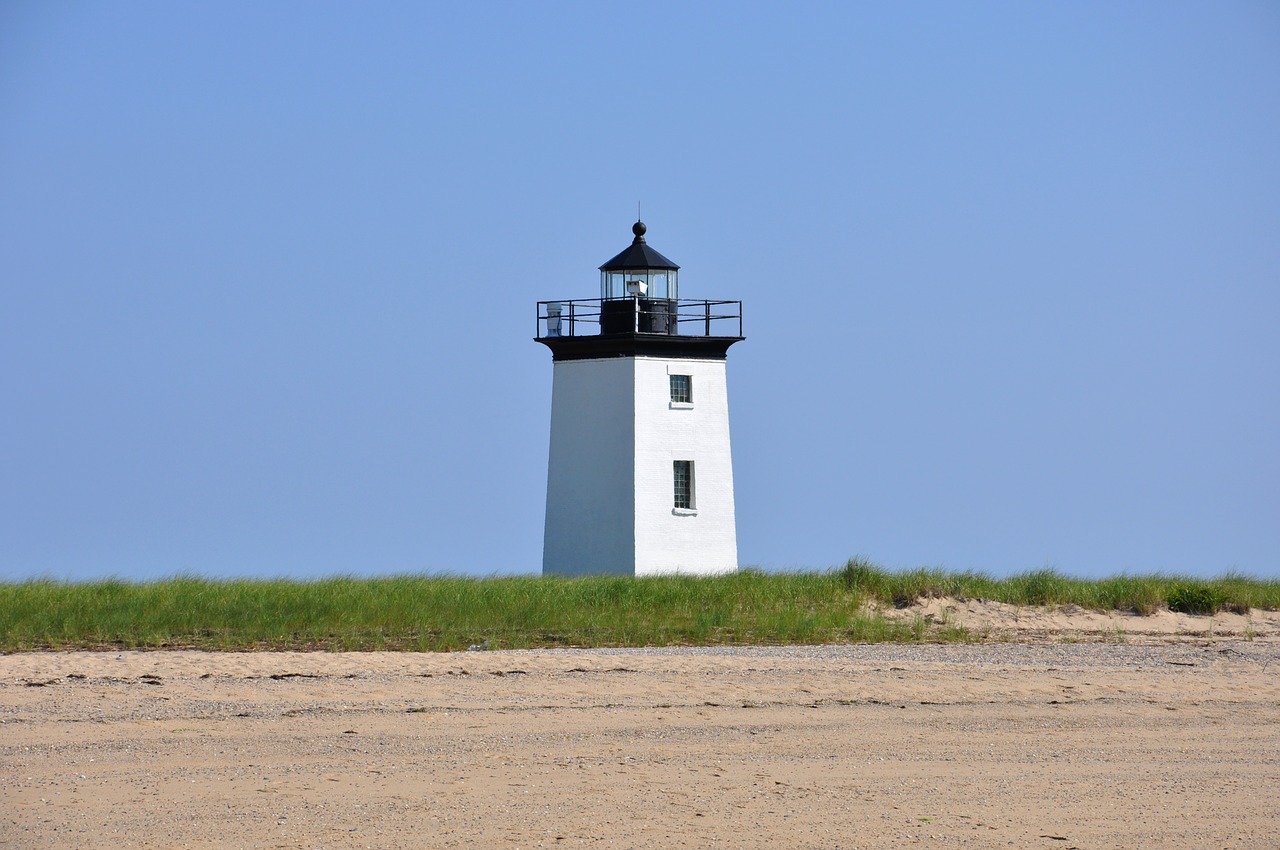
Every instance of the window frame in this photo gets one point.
(686, 402)
(682, 471)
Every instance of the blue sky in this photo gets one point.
(1010, 273)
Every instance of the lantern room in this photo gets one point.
(639, 272)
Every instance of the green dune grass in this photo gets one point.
(448, 613)
(1142, 594)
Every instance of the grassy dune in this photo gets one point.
(1142, 594)
(434, 614)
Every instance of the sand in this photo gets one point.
(999, 621)
(1172, 741)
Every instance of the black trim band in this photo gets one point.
(638, 345)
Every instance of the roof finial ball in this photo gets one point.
(639, 230)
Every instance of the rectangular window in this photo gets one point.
(683, 474)
(681, 389)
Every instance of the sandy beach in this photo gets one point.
(1167, 740)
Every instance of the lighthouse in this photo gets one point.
(640, 475)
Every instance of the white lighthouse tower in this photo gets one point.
(640, 478)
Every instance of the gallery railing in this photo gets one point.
(660, 316)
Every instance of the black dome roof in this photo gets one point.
(638, 255)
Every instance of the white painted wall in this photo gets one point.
(703, 541)
(590, 527)
(614, 435)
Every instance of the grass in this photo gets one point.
(1143, 594)
(434, 614)
(450, 613)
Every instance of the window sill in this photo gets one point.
(684, 511)
(681, 405)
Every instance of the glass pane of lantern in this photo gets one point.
(614, 285)
(658, 285)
